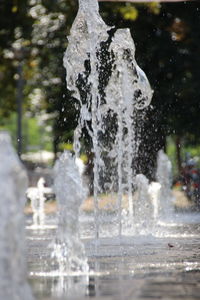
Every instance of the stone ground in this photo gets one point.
(163, 266)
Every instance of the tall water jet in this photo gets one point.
(105, 78)
(128, 90)
(69, 251)
(13, 185)
(81, 62)
(164, 177)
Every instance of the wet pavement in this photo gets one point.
(165, 265)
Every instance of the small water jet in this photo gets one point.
(13, 185)
(37, 197)
(154, 192)
(143, 206)
(164, 177)
(69, 251)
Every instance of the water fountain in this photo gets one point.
(164, 177)
(69, 251)
(103, 75)
(110, 86)
(42, 198)
(13, 185)
(143, 206)
(37, 197)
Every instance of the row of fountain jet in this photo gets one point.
(152, 203)
(104, 77)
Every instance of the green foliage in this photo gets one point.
(34, 32)
(154, 7)
(129, 12)
(36, 136)
(9, 124)
(66, 146)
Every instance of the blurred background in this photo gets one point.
(41, 115)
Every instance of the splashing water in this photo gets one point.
(13, 184)
(69, 251)
(72, 287)
(105, 78)
(164, 177)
